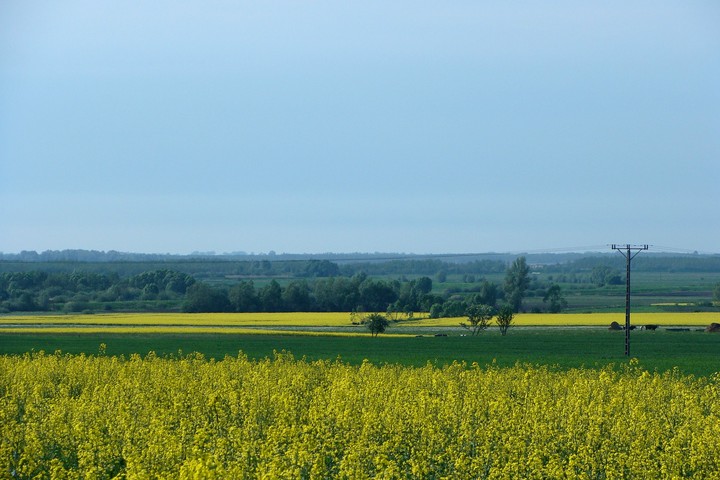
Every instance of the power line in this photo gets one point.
(681, 250)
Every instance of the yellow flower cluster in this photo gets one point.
(188, 417)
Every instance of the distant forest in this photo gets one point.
(349, 263)
(90, 281)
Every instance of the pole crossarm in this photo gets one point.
(629, 255)
(629, 248)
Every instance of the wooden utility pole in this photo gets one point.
(627, 253)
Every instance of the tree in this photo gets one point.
(455, 307)
(716, 294)
(376, 323)
(423, 285)
(479, 317)
(271, 297)
(177, 282)
(243, 296)
(517, 279)
(555, 297)
(393, 312)
(150, 291)
(411, 294)
(376, 295)
(504, 318)
(487, 294)
(436, 310)
(337, 294)
(602, 275)
(321, 268)
(296, 296)
(430, 299)
(201, 297)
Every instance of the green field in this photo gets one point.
(693, 352)
(564, 340)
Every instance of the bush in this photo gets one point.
(436, 310)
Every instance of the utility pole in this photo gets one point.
(627, 253)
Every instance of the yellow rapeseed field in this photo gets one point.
(150, 330)
(298, 319)
(344, 319)
(102, 417)
(594, 319)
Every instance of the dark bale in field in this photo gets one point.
(713, 327)
(650, 327)
(615, 326)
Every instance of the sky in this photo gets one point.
(359, 126)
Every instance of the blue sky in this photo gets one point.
(327, 126)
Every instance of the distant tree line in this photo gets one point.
(77, 291)
(321, 288)
(80, 291)
(362, 293)
(198, 268)
(263, 285)
(424, 267)
(211, 268)
(564, 268)
(647, 262)
(332, 294)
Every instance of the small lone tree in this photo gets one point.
(479, 317)
(376, 323)
(505, 318)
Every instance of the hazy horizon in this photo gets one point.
(169, 127)
(577, 251)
